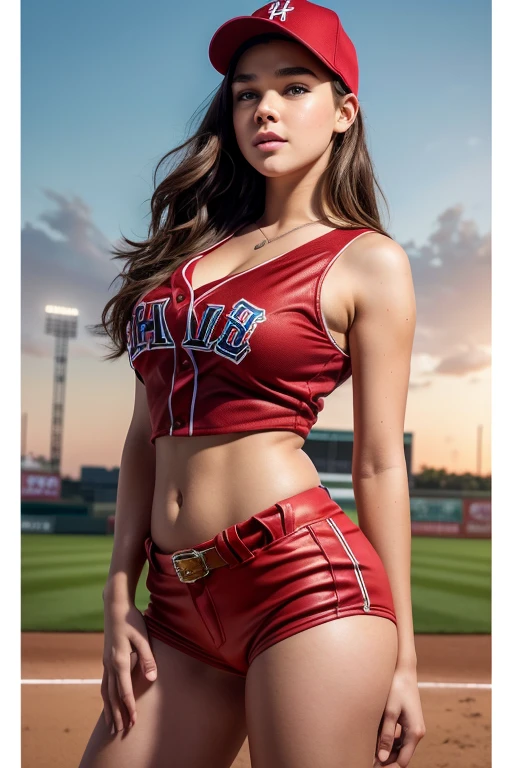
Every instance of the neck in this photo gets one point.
(291, 200)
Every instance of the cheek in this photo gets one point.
(314, 122)
(242, 129)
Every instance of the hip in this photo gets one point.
(297, 563)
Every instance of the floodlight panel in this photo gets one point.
(52, 309)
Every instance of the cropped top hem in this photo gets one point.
(298, 429)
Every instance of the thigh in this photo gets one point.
(317, 697)
(192, 714)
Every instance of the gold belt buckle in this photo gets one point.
(195, 569)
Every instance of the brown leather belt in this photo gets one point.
(306, 507)
(193, 564)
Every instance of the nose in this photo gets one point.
(266, 111)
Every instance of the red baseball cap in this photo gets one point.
(316, 27)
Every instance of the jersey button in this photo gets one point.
(180, 297)
(178, 423)
(185, 362)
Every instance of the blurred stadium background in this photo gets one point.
(67, 533)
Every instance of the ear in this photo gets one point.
(346, 113)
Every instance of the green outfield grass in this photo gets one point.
(62, 578)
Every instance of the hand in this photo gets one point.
(402, 725)
(126, 639)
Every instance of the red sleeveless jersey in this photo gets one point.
(242, 353)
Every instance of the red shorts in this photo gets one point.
(298, 563)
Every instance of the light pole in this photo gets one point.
(479, 449)
(24, 420)
(61, 322)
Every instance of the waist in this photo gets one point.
(238, 542)
(201, 491)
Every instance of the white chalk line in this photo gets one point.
(80, 681)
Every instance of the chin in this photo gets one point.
(270, 172)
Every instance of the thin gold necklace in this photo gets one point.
(264, 242)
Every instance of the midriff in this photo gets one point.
(204, 484)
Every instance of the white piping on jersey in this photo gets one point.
(324, 323)
(238, 274)
(190, 354)
(172, 388)
(256, 266)
(357, 571)
(326, 269)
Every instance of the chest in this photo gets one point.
(293, 303)
(235, 318)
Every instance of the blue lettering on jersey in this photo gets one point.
(202, 339)
(233, 342)
(151, 332)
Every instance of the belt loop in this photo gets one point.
(225, 551)
(237, 544)
(150, 554)
(287, 516)
(272, 524)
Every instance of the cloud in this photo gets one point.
(72, 266)
(419, 384)
(466, 361)
(452, 281)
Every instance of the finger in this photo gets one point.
(125, 690)
(387, 736)
(107, 709)
(410, 743)
(146, 659)
(115, 703)
(391, 760)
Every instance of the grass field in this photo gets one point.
(62, 578)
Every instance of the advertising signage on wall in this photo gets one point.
(37, 524)
(436, 510)
(39, 485)
(459, 518)
(477, 517)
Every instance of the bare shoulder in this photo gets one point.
(375, 266)
(384, 301)
(372, 256)
(372, 268)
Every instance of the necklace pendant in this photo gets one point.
(260, 245)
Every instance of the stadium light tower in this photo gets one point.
(61, 322)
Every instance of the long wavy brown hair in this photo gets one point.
(192, 208)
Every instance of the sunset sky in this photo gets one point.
(108, 88)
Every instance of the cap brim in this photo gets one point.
(236, 31)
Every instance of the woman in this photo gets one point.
(236, 313)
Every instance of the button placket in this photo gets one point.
(182, 302)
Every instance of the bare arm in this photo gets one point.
(134, 502)
(381, 339)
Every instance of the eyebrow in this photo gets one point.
(284, 72)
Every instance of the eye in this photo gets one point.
(290, 87)
(300, 87)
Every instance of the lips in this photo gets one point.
(268, 136)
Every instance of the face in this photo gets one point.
(298, 106)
